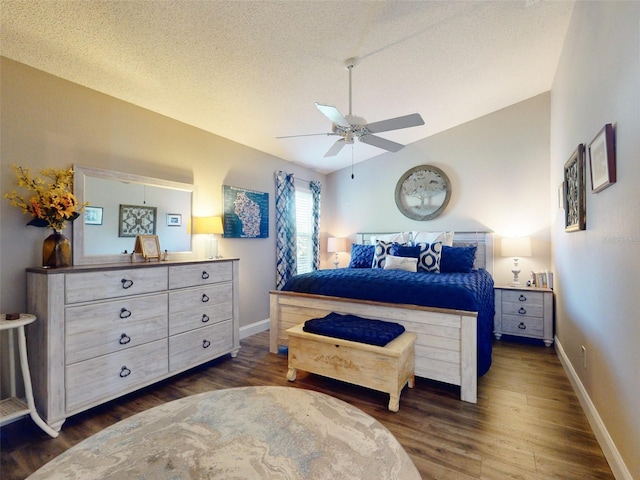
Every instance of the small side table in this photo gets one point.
(13, 407)
(524, 312)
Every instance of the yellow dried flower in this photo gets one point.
(52, 204)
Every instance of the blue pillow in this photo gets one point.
(457, 259)
(361, 255)
(398, 250)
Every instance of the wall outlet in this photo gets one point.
(584, 356)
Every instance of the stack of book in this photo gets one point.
(542, 279)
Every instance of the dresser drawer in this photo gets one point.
(108, 376)
(523, 297)
(90, 286)
(181, 276)
(197, 346)
(524, 326)
(523, 309)
(198, 307)
(98, 329)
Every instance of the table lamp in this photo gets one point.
(336, 245)
(515, 247)
(208, 226)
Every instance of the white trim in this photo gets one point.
(618, 467)
(254, 328)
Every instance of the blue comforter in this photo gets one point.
(463, 291)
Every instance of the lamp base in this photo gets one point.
(516, 271)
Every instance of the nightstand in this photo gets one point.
(524, 312)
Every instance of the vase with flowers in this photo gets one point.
(51, 204)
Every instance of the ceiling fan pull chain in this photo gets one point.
(352, 176)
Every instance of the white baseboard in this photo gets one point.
(254, 328)
(618, 467)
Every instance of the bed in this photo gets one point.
(451, 312)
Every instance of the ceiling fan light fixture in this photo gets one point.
(352, 126)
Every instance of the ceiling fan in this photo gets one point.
(351, 126)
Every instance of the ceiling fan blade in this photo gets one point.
(335, 148)
(308, 135)
(397, 123)
(333, 114)
(381, 143)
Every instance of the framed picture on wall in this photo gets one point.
(174, 220)
(602, 160)
(246, 213)
(93, 215)
(574, 201)
(137, 220)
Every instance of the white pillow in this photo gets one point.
(431, 237)
(400, 237)
(401, 263)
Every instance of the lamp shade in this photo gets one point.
(207, 225)
(336, 244)
(516, 247)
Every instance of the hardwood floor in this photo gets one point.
(526, 425)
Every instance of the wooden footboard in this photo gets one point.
(446, 345)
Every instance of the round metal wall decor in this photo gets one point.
(423, 192)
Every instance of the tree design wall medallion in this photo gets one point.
(423, 192)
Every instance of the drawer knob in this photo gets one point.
(205, 318)
(124, 339)
(126, 283)
(205, 299)
(205, 275)
(206, 343)
(522, 326)
(522, 298)
(124, 313)
(124, 372)
(522, 311)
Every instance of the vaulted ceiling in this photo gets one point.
(251, 71)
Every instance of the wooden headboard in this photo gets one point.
(483, 240)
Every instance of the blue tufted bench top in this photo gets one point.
(355, 329)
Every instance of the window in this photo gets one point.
(304, 226)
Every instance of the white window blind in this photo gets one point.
(304, 225)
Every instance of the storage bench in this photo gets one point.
(386, 369)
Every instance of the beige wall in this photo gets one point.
(499, 171)
(598, 270)
(49, 122)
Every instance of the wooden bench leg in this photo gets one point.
(394, 402)
(412, 381)
(291, 374)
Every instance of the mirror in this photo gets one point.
(123, 206)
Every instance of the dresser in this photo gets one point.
(106, 330)
(524, 312)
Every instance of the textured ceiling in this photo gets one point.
(251, 71)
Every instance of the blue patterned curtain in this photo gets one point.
(286, 255)
(315, 237)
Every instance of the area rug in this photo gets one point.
(240, 433)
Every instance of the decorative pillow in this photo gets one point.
(400, 237)
(382, 250)
(410, 264)
(431, 237)
(405, 250)
(430, 255)
(457, 259)
(361, 255)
